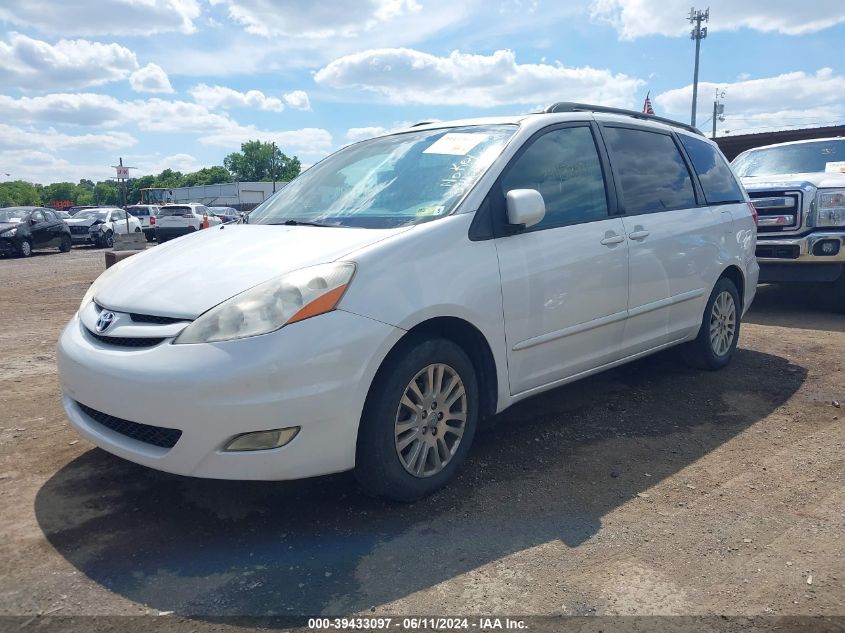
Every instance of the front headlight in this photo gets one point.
(9, 233)
(831, 207)
(272, 305)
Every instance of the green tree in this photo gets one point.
(58, 191)
(19, 193)
(258, 162)
(207, 176)
(86, 185)
(169, 178)
(106, 193)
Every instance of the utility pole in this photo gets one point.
(698, 33)
(122, 177)
(273, 166)
(718, 110)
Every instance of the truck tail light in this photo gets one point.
(152, 220)
(754, 213)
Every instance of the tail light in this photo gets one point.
(754, 213)
(152, 220)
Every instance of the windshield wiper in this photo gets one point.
(299, 223)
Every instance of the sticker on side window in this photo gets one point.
(455, 143)
(835, 167)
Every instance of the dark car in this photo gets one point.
(23, 229)
(226, 214)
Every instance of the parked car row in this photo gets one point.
(24, 229)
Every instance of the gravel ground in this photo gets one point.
(651, 489)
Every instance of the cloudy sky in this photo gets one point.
(181, 83)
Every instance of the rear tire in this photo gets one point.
(419, 420)
(66, 244)
(716, 342)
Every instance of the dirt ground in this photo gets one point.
(650, 489)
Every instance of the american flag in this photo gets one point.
(647, 109)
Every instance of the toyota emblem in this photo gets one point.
(105, 319)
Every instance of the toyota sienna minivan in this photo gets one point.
(369, 314)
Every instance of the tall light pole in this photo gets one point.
(698, 33)
(718, 110)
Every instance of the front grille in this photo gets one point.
(777, 211)
(79, 230)
(155, 435)
(150, 318)
(125, 341)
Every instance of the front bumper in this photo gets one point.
(170, 232)
(9, 246)
(801, 250)
(314, 374)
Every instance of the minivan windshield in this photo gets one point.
(391, 181)
(800, 158)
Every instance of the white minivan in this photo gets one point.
(369, 314)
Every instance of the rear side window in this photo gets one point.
(651, 172)
(563, 165)
(717, 179)
(49, 215)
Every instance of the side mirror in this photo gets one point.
(526, 207)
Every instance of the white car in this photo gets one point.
(175, 220)
(146, 214)
(375, 309)
(98, 226)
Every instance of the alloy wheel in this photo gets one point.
(722, 323)
(430, 420)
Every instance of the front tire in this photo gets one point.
(716, 342)
(25, 248)
(107, 240)
(419, 420)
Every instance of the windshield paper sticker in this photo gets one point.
(834, 167)
(455, 144)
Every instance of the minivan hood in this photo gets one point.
(185, 277)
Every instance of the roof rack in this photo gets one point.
(569, 106)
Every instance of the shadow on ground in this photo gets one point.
(547, 469)
(804, 306)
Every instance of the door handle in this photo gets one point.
(611, 238)
(639, 234)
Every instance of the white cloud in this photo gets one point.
(150, 78)
(788, 100)
(223, 97)
(320, 20)
(154, 115)
(45, 167)
(310, 142)
(12, 137)
(123, 17)
(406, 76)
(355, 134)
(638, 18)
(29, 63)
(298, 100)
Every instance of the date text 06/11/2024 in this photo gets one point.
(417, 623)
